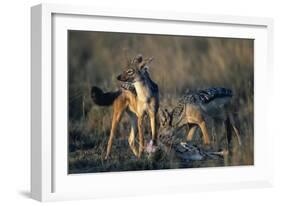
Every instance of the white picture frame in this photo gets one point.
(49, 178)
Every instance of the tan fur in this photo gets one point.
(123, 101)
(135, 108)
(194, 116)
(145, 99)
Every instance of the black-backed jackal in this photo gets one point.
(192, 110)
(137, 96)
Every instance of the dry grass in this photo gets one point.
(181, 63)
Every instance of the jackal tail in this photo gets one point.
(103, 98)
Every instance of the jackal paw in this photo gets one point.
(150, 147)
(106, 157)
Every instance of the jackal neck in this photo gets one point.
(145, 88)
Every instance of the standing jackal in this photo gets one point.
(193, 108)
(138, 95)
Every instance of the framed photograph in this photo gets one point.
(137, 102)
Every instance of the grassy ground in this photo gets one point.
(88, 140)
(181, 63)
(87, 151)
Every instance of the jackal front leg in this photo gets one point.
(204, 129)
(141, 138)
(191, 132)
(152, 116)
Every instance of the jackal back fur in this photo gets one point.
(192, 110)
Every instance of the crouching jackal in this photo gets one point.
(192, 110)
(138, 95)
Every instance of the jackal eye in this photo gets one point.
(130, 72)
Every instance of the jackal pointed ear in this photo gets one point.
(138, 59)
(149, 60)
(145, 63)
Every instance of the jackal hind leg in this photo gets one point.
(133, 132)
(228, 133)
(233, 124)
(115, 120)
